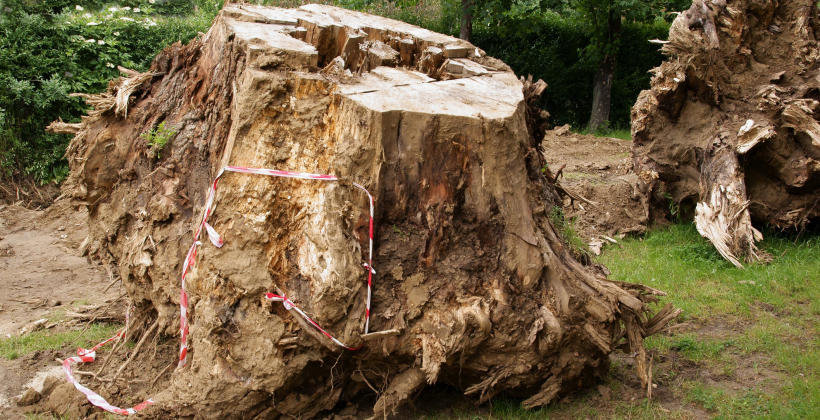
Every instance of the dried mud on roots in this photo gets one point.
(729, 132)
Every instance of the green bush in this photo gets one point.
(49, 49)
(157, 138)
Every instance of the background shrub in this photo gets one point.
(49, 49)
(550, 47)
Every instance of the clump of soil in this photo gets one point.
(474, 287)
(730, 131)
(604, 200)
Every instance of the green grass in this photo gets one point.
(800, 402)
(14, 347)
(617, 133)
(749, 346)
(699, 281)
(578, 175)
(766, 313)
(566, 227)
(690, 346)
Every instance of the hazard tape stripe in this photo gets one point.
(88, 356)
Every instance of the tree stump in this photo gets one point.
(473, 286)
(729, 131)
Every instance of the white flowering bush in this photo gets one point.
(128, 34)
(49, 49)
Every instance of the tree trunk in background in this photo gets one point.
(466, 20)
(602, 85)
(602, 94)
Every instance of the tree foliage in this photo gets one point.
(49, 49)
(564, 41)
(596, 14)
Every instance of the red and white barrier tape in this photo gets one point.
(217, 240)
(88, 356)
(288, 304)
(85, 356)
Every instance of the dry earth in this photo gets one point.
(597, 170)
(42, 276)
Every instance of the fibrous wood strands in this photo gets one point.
(729, 131)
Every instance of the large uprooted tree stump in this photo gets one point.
(729, 130)
(474, 288)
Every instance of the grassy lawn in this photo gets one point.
(747, 344)
(14, 347)
(617, 133)
(753, 334)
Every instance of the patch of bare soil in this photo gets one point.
(40, 265)
(28, 193)
(598, 172)
(37, 370)
(42, 277)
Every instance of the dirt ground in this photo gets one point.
(43, 277)
(40, 265)
(597, 170)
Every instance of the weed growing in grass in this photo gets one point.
(689, 345)
(567, 230)
(14, 347)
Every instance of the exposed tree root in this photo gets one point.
(729, 132)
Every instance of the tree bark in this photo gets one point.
(466, 19)
(602, 84)
(474, 287)
(602, 94)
